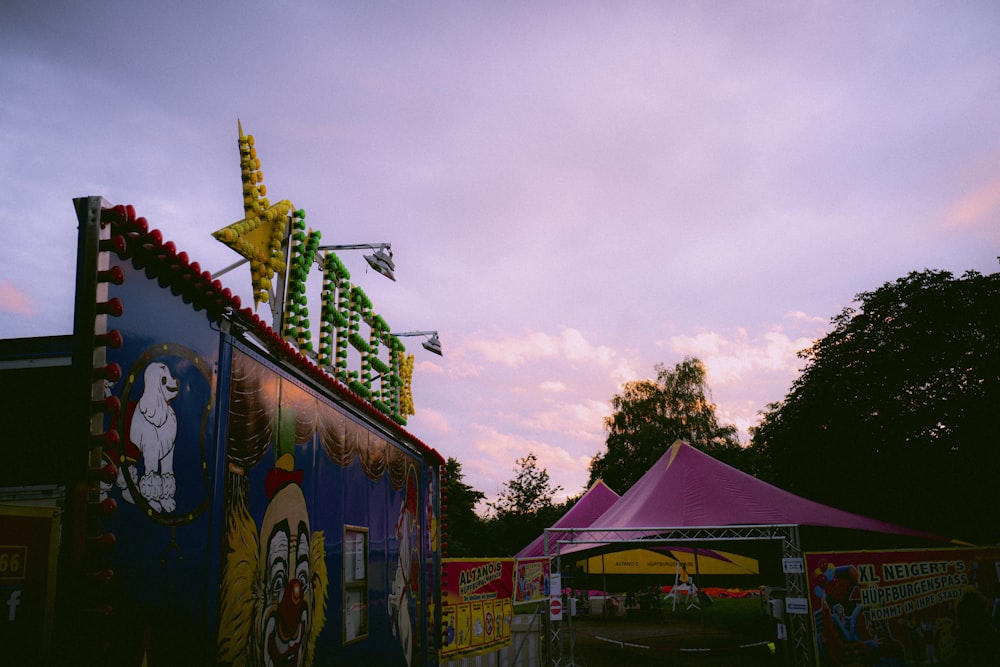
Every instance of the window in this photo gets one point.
(355, 583)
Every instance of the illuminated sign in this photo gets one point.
(282, 254)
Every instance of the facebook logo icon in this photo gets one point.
(12, 604)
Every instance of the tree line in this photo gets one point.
(894, 416)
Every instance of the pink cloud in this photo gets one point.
(731, 358)
(552, 386)
(977, 208)
(498, 453)
(432, 421)
(13, 300)
(517, 350)
(428, 367)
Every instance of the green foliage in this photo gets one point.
(465, 528)
(529, 492)
(894, 415)
(524, 508)
(648, 416)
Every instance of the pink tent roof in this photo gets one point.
(689, 488)
(591, 505)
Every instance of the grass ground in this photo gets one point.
(730, 631)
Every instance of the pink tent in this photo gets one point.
(591, 505)
(688, 488)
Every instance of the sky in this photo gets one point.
(574, 192)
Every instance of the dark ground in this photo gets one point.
(668, 641)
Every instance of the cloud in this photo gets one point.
(977, 209)
(517, 350)
(549, 393)
(531, 391)
(499, 451)
(741, 414)
(428, 367)
(805, 317)
(458, 369)
(730, 358)
(581, 420)
(13, 300)
(435, 422)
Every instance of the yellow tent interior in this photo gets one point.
(647, 561)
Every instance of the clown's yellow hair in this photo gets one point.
(240, 601)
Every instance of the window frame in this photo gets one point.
(357, 585)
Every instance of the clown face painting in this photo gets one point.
(286, 573)
(273, 602)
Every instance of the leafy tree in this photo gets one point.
(524, 508)
(529, 492)
(894, 415)
(648, 416)
(465, 528)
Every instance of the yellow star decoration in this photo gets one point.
(406, 392)
(258, 236)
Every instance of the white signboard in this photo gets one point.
(793, 565)
(797, 605)
(555, 601)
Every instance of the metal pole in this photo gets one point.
(697, 596)
(604, 585)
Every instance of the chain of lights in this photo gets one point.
(336, 279)
(361, 308)
(259, 235)
(406, 374)
(304, 247)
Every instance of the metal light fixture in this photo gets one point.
(432, 344)
(380, 260)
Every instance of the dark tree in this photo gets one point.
(894, 415)
(465, 528)
(524, 508)
(648, 416)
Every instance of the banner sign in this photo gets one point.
(901, 607)
(476, 605)
(532, 583)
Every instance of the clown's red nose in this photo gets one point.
(290, 610)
